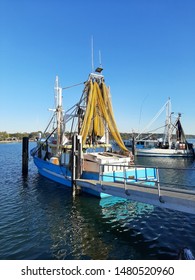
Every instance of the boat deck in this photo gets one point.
(171, 198)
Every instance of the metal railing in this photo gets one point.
(127, 180)
(133, 178)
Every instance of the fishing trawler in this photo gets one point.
(171, 145)
(84, 151)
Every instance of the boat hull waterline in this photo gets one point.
(155, 152)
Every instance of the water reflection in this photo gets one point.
(170, 171)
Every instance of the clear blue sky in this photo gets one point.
(147, 49)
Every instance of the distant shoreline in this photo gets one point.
(12, 141)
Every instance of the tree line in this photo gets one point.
(4, 136)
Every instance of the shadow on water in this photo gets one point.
(137, 230)
(89, 228)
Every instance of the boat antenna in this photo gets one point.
(99, 69)
(100, 58)
(92, 56)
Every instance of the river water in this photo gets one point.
(39, 219)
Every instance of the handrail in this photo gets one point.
(159, 184)
(125, 178)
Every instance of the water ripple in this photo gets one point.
(41, 220)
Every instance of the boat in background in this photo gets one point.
(77, 145)
(128, 143)
(171, 145)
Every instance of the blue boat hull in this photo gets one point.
(62, 175)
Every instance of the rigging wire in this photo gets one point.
(49, 124)
(39, 147)
(73, 86)
(154, 119)
(151, 133)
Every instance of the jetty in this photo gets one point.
(144, 191)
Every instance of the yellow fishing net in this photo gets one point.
(98, 112)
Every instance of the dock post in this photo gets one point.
(158, 186)
(25, 142)
(76, 163)
(133, 145)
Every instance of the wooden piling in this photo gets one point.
(25, 142)
(73, 167)
(76, 163)
(133, 145)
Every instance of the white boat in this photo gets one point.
(78, 146)
(174, 142)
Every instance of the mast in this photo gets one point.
(167, 137)
(58, 113)
(169, 123)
